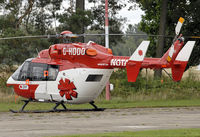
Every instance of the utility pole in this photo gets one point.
(107, 45)
(80, 5)
(161, 40)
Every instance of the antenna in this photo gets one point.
(37, 52)
(129, 50)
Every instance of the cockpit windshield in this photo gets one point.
(36, 72)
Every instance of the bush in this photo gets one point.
(147, 88)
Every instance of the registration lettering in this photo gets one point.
(74, 51)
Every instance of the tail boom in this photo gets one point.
(137, 61)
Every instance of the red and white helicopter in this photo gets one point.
(76, 73)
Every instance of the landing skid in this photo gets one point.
(54, 109)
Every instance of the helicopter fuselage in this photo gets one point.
(73, 73)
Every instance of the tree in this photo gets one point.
(80, 6)
(25, 18)
(129, 43)
(73, 21)
(161, 40)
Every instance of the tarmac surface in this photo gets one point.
(110, 120)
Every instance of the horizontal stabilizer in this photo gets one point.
(134, 63)
(180, 63)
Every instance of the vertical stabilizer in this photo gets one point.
(180, 63)
(134, 63)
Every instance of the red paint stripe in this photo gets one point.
(106, 13)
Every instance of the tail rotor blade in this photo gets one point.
(179, 25)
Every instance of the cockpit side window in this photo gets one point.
(43, 72)
(16, 74)
(52, 72)
(37, 72)
(24, 71)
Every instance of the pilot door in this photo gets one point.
(52, 84)
(45, 75)
(38, 76)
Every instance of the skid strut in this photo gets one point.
(95, 107)
(54, 109)
(58, 104)
(25, 103)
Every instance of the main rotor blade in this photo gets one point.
(84, 35)
(24, 37)
(75, 36)
(145, 35)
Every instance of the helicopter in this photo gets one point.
(76, 73)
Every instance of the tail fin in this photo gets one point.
(178, 67)
(134, 63)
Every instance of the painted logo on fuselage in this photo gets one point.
(23, 87)
(67, 88)
(74, 51)
(118, 62)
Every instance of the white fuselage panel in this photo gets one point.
(87, 90)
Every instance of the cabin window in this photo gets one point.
(52, 72)
(36, 72)
(44, 72)
(94, 78)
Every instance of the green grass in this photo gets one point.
(113, 104)
(149, 133)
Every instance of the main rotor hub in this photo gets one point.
(67, 34)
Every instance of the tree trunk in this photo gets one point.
(160, 43)
(80, 5)
(27, 12)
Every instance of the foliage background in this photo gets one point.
(35, 17)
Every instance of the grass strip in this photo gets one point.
(149, 133)
(113, 104)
